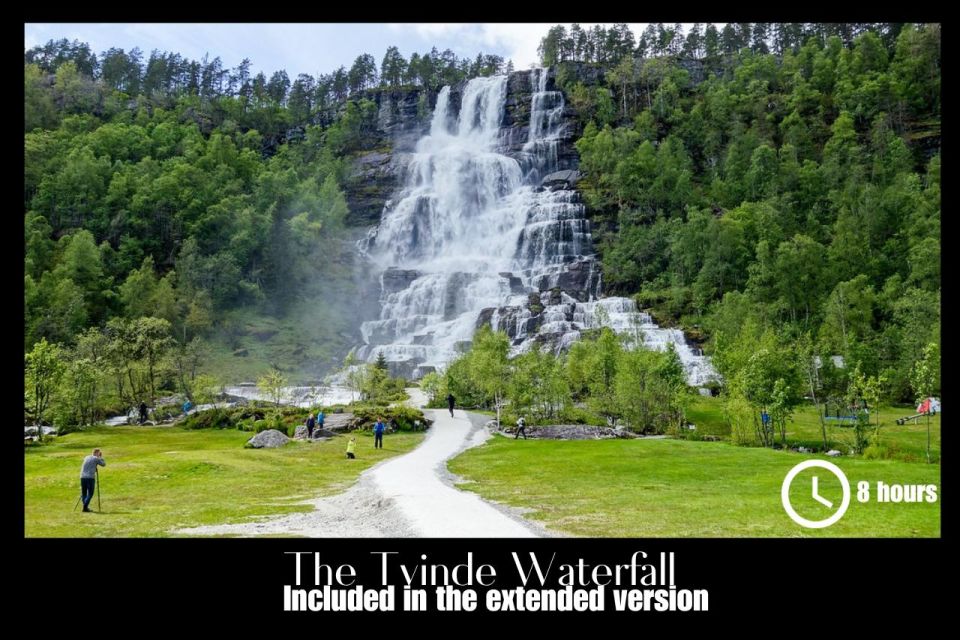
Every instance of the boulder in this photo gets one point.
(834, 453)
(269, 439)
(300, 433)
(337, 421)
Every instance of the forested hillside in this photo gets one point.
(772, 188)
(164, 196)
(768, 184)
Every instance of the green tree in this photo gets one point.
(489, 367)
(271, 385)
(44, 368)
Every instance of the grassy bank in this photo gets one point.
(675, 488)
(161, 478)
(906, 443)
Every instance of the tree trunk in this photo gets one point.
(813, 393)
(36, 394)
(153, 392)
(496, 399)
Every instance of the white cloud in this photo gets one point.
(516, 41)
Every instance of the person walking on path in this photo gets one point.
(88, 477)
(320, 419)
(450, 402)
(310, 426)
(143, 412)
(521, 428)
(378, 433)
(351, 445)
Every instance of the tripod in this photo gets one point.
(98, 494)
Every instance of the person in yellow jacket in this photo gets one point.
(351, 445)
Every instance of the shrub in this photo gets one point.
(212, 419)
(400, 417)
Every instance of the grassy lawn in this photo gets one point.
(676, 488)
(907, 443)
(161, 478)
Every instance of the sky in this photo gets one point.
(305, 48)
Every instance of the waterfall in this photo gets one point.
(473, 237)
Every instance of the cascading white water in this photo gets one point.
(473, 234)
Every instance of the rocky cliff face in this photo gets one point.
(483, 225)
(403, 117)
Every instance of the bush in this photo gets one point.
(400, 417)
(245, 425)
(212, 419)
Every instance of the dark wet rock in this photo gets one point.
(566, 179)
(394, 280)
(486, 315)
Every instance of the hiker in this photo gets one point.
(88, 477)
(143, 412)
(764, 418)
(378, 433)
(351, 445)
(320, 419)
(450, 401)
(310, 424)
(521, 428)
(187, 406)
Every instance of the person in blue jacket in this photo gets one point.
(378, 433)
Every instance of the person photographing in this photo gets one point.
(88, 477)
(521, 428)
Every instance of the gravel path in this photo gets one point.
(407, 496)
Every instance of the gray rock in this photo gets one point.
(269, 439)
(337, 421)
(561, 179)
(570, 432)
(834, 453)
(394, 280)
(300, 433)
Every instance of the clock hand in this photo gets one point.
(817, 496)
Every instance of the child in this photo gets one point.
(351, 444)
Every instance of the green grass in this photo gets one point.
(907, 442)
(676, 488)
(162, 478)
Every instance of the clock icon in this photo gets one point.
(815, 494)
